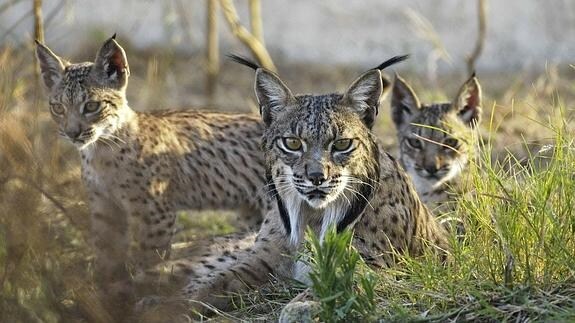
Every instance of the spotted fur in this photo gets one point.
(436, 141)
(140, 168)
(358, 187)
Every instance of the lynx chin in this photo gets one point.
(140, 168)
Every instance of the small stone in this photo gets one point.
(300, 312)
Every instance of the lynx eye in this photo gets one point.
(342, 144)
(451, 142)
(91, 107)
(414, 143)
(57, 109)
(292, 143)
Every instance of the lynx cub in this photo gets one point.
(140, 168)
(435, 140)
(326, 169)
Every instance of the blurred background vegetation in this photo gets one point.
(176, 54)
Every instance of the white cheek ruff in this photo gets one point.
(292, 203)
(333, 214)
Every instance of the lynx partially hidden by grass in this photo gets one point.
(140, 168)
(436, 141)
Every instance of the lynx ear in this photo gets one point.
(111, 65)
(364, 95)
(404, 103)
(468, 102)
(51, 65)
(272, 94)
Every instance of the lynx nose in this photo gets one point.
(431, 169)
(316, 178)
(73, 133)
(316, 172)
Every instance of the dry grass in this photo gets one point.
(45, 260)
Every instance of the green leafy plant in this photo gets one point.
(340, 279)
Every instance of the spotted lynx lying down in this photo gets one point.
(325, 168)
(436, 141)
(140, 168)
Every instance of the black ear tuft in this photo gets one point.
(243, 61)
(392, 61)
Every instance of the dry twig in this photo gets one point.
(256, 20)
(254, 45)
(482, 17)
(212, 53)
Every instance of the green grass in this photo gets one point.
(517, 258)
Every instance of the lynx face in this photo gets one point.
(321, 158)
(318, 161)
(87, 100)
(435, 140)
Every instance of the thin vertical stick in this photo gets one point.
(38, 31)
(482, 32)
(212, 47)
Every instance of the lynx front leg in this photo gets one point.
(109, 238)
(224, 269)
(270, 255)
(151, 234)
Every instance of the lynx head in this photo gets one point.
(435, 140)
(321, 156)
(87, 100)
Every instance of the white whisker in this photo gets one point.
(357, 193)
